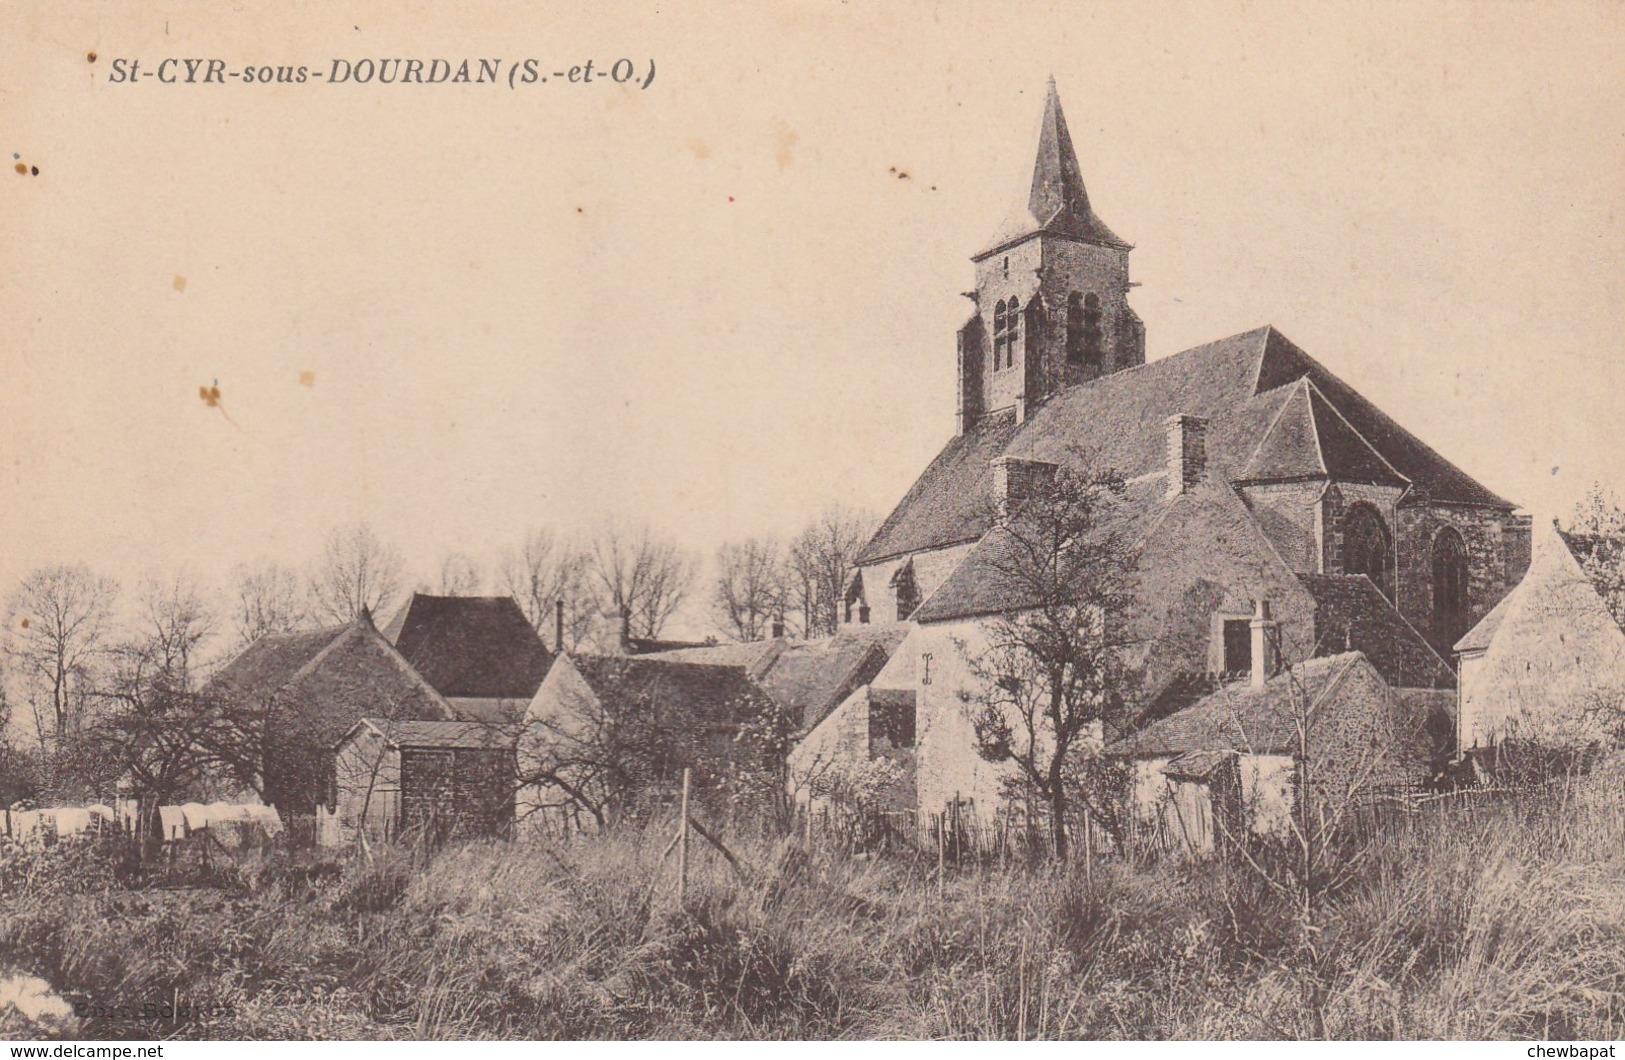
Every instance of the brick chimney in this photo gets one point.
(1265, 660)
(1015, 479)
(1187, 452)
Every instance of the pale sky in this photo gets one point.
(716, 304)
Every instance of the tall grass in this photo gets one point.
(1474, 920)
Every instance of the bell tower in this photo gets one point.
(1051, 292)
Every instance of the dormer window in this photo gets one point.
(1238, 646)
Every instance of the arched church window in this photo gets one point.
(1366, 547)
(1001, 333)
(1091, 329)
(857, 605)
(907, 589)
(1014, 333)
(1074, 328)
(1450, 604)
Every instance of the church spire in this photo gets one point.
(1057, 201)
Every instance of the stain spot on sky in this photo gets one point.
(25, 623)
(787, 139)
(90, 57)
(700, 148)
(180, 284)
(22, 168)
(210, 395)
(307, 378)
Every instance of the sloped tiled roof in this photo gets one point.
(488, 711)
(808, 678)
(1478, 638)
(988, 581)
(1239, 385)
(359, 674)
(478, 647)
(444, 735)
(948, 504)
(1351, 615)
(702, 694)
(270, 662)
(1240, 717)
(1309, 439)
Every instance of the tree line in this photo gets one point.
(83, 656)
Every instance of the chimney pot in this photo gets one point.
(1265, 660)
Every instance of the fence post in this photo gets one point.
(942, 853)
(682, 847)
(1088, 848)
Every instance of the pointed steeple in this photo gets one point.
(1057, 201)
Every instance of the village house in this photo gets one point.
(433, 780)
(1253, 474)
(607, 737)
(310, 688)
(411, 728)
(1548, 662)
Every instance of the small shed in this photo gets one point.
(435, 779)
(1548, 662)
(1226, 765)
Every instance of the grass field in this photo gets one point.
(1480, 919)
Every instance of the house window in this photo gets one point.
(1366, 547)
(1238, 646)
(1450, 604)
(891, 721)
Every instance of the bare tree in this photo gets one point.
(608, 749)
(821, 561)
(174, 616)
(268, 598)
(460, 575)
(1600, 519)
(1054, 664)
(59, 629)
(751, 588)
(543, 571)
(358, 570)
(641, 577)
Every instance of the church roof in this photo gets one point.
(1057, 202)
(1311, 439)
(1248, 387)
(992, 579)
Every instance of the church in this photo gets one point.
(1254, 475)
